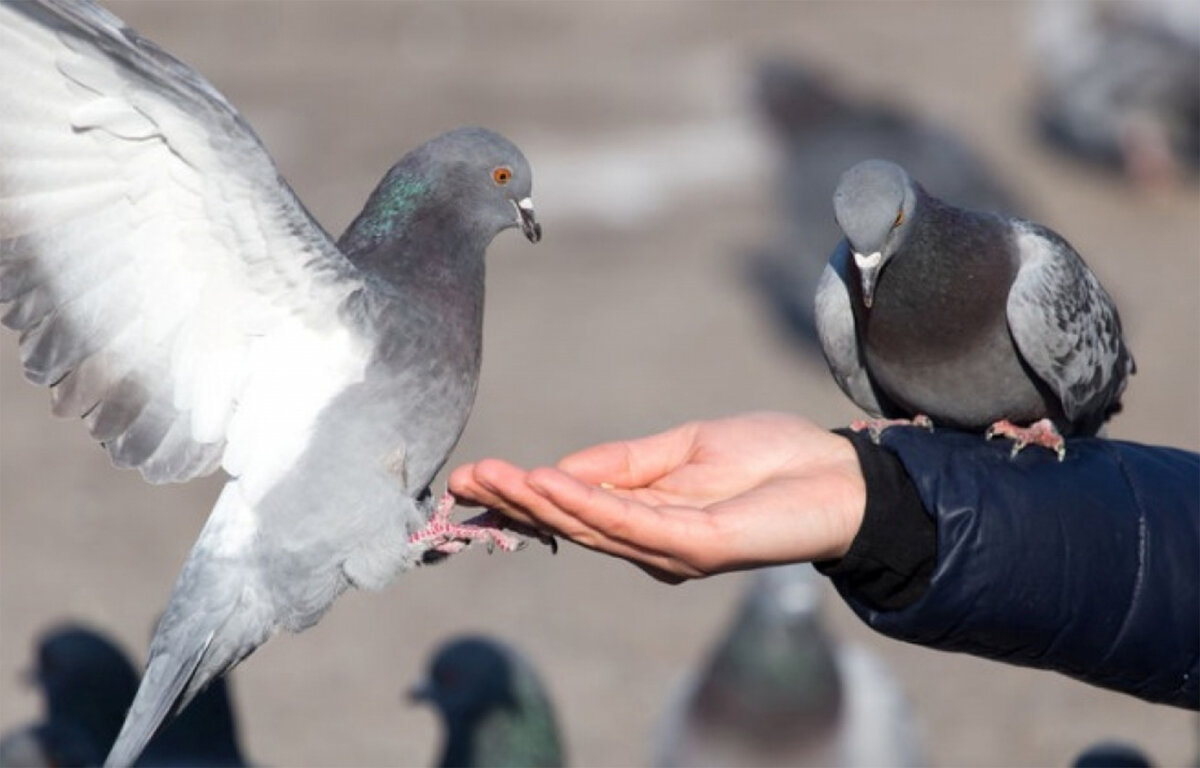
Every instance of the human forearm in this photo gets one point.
(1087, 567)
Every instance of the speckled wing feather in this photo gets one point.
(1066, 326)
(162, 275)
(839, 340)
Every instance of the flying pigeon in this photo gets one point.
(820, 131)
(495, 709)
(975, 321)
(175, 294)
(778, 690)
(87, 684)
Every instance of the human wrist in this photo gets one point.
(851, 499)
(891, 558)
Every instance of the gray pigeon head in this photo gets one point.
(467, 183)
(874, 205)
(486, 175)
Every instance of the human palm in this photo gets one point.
(702, 498)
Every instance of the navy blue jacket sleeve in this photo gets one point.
(1090, 567)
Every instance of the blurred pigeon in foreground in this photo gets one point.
(973, 320)
(778, 691)
(177, 296)
(1119, 84)
(495, 710)
(88, 683)
(821, 133)
(1112, 754)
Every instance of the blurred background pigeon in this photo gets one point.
(493, 706)
(778, 690)
(87, 684)
(1118, 84)
(820, 132)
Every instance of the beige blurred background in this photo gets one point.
(652, 177)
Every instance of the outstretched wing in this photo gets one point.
(839, 341)
(1066, 326)
(162, 275)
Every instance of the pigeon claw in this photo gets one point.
(1041, 433)
(442, 537)
(876, 427)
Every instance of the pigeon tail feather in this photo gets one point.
(167, 677)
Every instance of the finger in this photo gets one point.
(632, 463)
(659, 531)
(484, 478)
(513, 492)
(465, 484)
(461, 481)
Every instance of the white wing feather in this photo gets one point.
(166, 282)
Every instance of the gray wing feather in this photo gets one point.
(1066, 326)
(839, 339)
(147, 241)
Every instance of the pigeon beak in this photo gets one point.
(525, 217)
(420, 692)
(868, 270)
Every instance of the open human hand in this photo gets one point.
(702, 498)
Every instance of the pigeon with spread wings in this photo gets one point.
(175, 294)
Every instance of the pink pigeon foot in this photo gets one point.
(1041, 433)
(443, 536)
(877, 426)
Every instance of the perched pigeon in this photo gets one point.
(495, 710)
(174, 292)
(1118, 84)
(973, 320)
(87, 683)
(820, 132)
(778, 690)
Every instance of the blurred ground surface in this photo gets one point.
(651, 177)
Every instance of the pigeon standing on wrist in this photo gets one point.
(975, 321)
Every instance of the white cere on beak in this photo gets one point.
(870, 261)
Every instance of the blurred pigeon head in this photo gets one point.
(1111, 754)
(85, 678)
(493, 705)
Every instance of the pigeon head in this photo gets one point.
(495, 710)
(87, 681)
(467, 678)
(466, 185)
(874, 204)
(486, 176)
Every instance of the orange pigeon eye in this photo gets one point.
(899, 219)
(502, 175)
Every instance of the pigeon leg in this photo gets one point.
(877, 426)
(446, 537)
(1041, 433)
